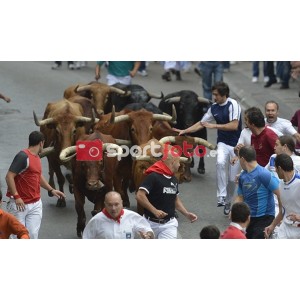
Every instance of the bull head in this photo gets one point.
(199, 141)
(68, 153)
(52, 121)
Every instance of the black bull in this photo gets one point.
(134, 94)
(190, 109)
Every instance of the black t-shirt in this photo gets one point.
(162, 191)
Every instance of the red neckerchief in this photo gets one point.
(161, 168)
(118, 219)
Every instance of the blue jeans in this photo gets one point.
(255, 68)
(283, 71)
(142, 66)
(212, 71)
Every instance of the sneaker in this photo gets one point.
(55, 66)
(254, 79)
(166, 76)
(83, 64)
(71, 66)
(221, 201)
(76, 65)
(266, 78)
(227, 208)
(143, 73)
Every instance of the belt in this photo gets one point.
(159, 221)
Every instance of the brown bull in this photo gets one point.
(96, 91)
(93, 179)
(135, 126)
(162, 129)
(62, 124)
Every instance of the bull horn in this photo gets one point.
(82, 88)
(185, 159)
(67, 154)
(123, 142)
(205, 143)
(156, 96)
(118, 91)
(84, 119)
(122, 118)
(46, 151)
(119, 150)
(143, 157)
(204, 100)
(42, 122)
(167, 139)
(173, 100)
(167, 117)
(113, 115)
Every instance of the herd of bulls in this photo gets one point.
(116, 115)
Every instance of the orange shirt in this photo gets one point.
(10, 225)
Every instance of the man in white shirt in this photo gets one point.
(289, 193)
(282, 125)
(114, 222)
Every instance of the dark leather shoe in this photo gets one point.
(270, 82)
(201, 170)
(284, 86)
(166, 76)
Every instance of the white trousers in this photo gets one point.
(171, 65)
(165, 231)
(111, 79)
(31, 217)
(226, 173)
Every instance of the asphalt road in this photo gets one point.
(31, 85)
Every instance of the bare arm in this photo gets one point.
(135, 68)
(180, 207)
(297, 137)
(44, 184)
(197, 126)
(10, 180)
(278, 218)
(97, 72)
(7, 99)
(141, 197)
(239, 198)
(231, 126)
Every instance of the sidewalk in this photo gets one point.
(255, 94)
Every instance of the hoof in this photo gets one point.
(201, 171)
(61, 203)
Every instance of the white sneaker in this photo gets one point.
(266, 78)
(77, 65)
(83, 64)
(71, 66)
(221, 201)
(143, 73)
(254, 79)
